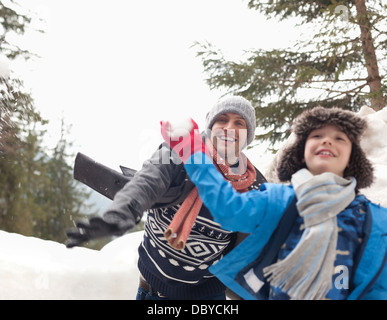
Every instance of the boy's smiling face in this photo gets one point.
(327, 149)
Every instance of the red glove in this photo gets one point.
(184, 138)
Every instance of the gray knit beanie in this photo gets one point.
(238, 105)
(349, 122)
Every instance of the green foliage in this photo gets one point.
(38, 195)
(11, 21)
(305, 9)
(342, 63)
(58, 199)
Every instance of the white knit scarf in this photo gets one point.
(306, 273)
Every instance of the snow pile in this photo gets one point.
(32, 268)
(374, 144)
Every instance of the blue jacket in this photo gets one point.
(261, 213)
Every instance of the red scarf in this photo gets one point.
(181, 225)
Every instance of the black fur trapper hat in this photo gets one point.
(349, 122)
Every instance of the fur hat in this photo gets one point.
(350, 123)
(238, 105)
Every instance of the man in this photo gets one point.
(181, 240)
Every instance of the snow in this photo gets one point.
(32, 268)
(180, 128)
(4, 67)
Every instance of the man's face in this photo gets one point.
(229, 135)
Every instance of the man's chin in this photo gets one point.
(229, 158)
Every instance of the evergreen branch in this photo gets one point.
(355, 90)
(340, 80)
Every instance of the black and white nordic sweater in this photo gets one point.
(159, 188)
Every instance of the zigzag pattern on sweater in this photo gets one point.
(204, 246)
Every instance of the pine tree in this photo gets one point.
(38, 195)
(61, 199)
(17, 113)
(343, 63)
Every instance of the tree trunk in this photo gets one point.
(374, 80)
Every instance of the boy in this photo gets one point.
(305, 232)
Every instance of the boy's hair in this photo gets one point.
(348, 122)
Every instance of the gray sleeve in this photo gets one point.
(157, 181)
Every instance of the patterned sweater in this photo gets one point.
(184, 274)
(159, 189)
